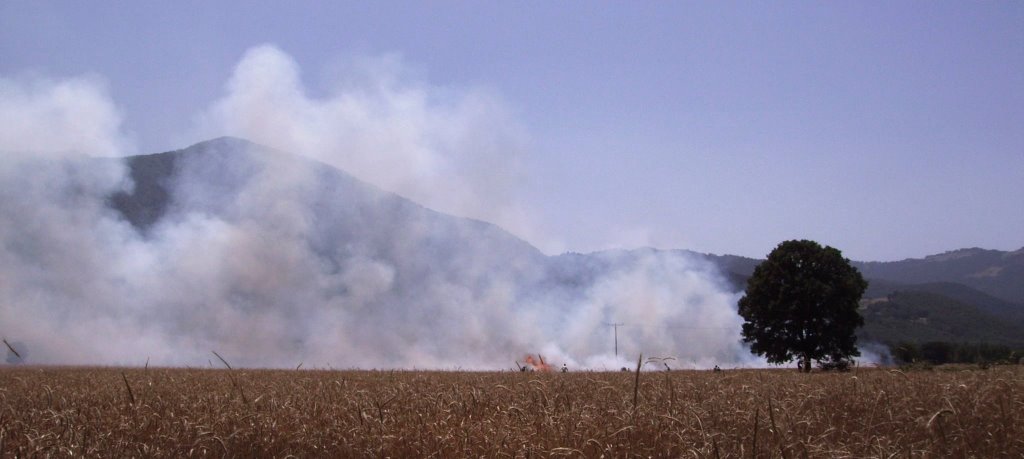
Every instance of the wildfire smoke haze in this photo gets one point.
(272, 256)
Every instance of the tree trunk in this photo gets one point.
(805, 363)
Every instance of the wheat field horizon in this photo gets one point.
(219, 412)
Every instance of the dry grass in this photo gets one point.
(767, 413)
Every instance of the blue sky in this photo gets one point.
(886, 129)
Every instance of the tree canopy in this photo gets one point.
(802, 302)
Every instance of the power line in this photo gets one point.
(616, 327)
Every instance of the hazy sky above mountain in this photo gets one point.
(888, 130)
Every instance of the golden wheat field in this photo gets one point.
(114, 412)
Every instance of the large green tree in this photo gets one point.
(802, 303)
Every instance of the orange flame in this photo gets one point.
(537, 364)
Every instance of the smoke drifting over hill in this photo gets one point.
(456, 150)
(272, 259)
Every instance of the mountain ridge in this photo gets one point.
(154, 171)
(744, 264)
(370, 223)
(996, 273)
(273, 258)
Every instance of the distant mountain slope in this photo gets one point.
(393, 265)
(207, 178)
(736, 268)
(969, 295)
(921, 317)
(274, 259)
(958, 292)
(147, 202)
(997, 273)
(990, 279)
(331, 265)
(395, 273)
(893, 311)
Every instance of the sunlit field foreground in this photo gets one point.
(748, 413)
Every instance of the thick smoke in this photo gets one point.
(454, 150)
(272, 259)
(59, 242)
(49, 117)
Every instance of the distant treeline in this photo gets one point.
(939, 352)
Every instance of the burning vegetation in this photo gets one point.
(536, 364)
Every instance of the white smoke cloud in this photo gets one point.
(454, 150)
(270, 260)
(56, 232)
(46, 117)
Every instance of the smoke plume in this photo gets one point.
(272, 259)
(58, 117)
(454, 150)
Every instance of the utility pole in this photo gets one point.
(616, 327)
